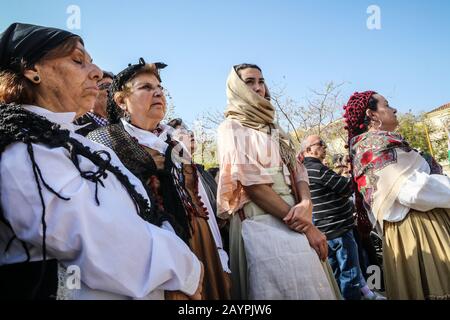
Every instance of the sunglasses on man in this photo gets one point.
(320, 143)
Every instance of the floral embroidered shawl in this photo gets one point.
(382, 161)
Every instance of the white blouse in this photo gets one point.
(147, 138)
(153, 141)
(119, 254)
(422, 191)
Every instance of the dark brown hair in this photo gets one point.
(243, 66)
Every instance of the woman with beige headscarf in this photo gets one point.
(265, 194)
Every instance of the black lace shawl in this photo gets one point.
(166, 193)
(18, 125)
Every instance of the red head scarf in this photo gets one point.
(355, 115)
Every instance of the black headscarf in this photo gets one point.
(29, 43)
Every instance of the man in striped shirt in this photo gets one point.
(333, 215)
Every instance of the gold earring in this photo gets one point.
(380, 124)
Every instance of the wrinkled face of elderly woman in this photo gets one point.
(145, 102)
(68, 83)
(385, 117)
(254, 79)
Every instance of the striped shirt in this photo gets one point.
(330, 194)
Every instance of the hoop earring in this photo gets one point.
(379, 126)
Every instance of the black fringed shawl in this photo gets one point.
(166, 186)
(20, 125)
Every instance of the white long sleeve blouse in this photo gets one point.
(118, 253)
(422, 191)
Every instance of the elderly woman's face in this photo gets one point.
(254, 80)
(70, 81)
(385, 114)
(146, 102)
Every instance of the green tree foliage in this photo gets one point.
(414, 129)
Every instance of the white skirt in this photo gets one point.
(281, 264)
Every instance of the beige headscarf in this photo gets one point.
(256, 112)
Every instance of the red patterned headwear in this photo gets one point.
(355, 115)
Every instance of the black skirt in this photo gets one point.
(29, 281)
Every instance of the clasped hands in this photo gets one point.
(299, 219)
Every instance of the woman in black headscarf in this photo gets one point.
(146, 146)
(67, 202)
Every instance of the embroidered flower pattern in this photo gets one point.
(371, 152)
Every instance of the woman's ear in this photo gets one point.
(32, 74)
(119, 99)
(371, 115)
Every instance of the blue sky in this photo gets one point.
(300, 43)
